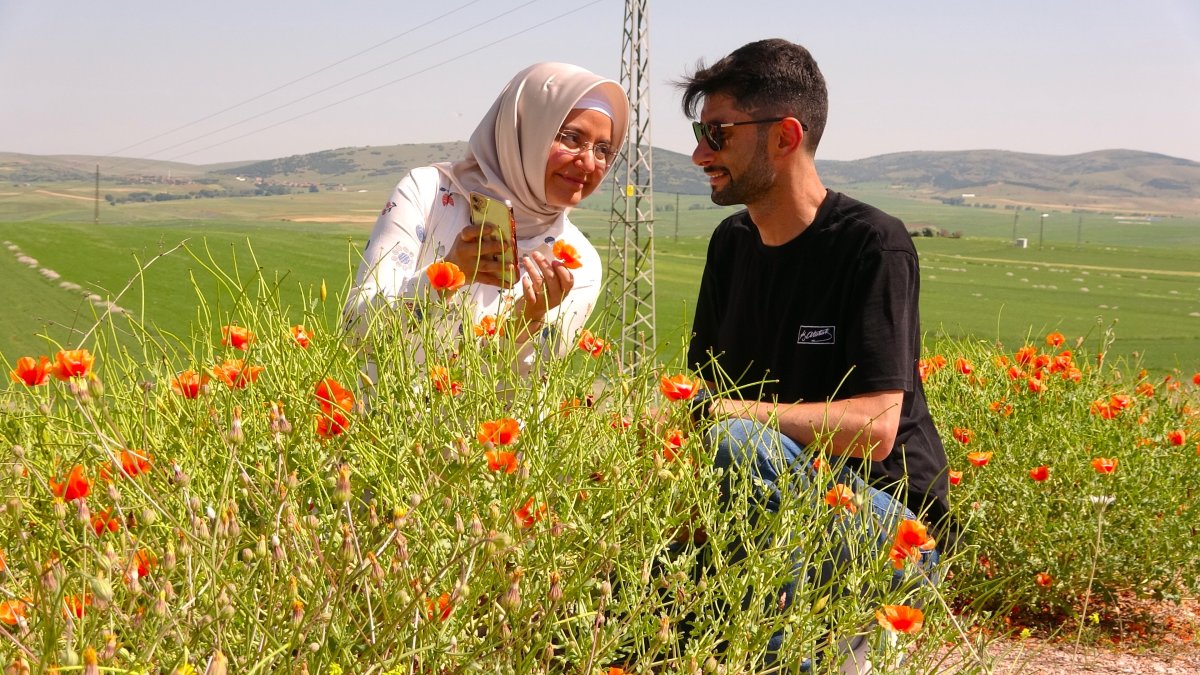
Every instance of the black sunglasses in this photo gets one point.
(711, 133)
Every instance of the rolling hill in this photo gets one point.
(1120, 181)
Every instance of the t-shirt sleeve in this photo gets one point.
(883, 328)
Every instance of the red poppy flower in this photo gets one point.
(143, 563)
(955, 477)
(1120, 401)
(331, 394)
(911, 539)
(962, 435)
(620, 422)
(12, 611)
(1040, 473)
(75, 604)
(1055, 339)
(30, 372)
(979, 458)
(1025, 355)
(1103, 409)
(938, 360)
(1035, 385)
(104, 522)
(335, 402)
(1015, 373)
(567, 255)
(900, 619)
(235, 373)
(189, 384)
(237, 337)
(487, 326)
(1177, 437)
(1104, 464)
(1196, 379)
(1001, 408)
(134, 462)
(439, 608)
(1043, 579)
(445, 276)
(964, 366)
(440, 375)
(332, 422)
(526, 515)
(503, 431)
(70, 363)
(673, 444)
(677, 387)
(76, 486)
(591, 344)
(301, 336)
(1072, 374)
(924, 369)
(501, 460)
(841, 496)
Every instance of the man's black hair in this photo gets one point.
(768, 78)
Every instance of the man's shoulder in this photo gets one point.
(849, 214)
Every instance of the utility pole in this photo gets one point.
(96, 217)
(1042, 230)
(676, 217)
(630, 295)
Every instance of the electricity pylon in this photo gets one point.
(630, 295)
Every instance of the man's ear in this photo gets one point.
(791, 135)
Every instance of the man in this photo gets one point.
(808, 301)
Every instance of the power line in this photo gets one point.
(395, 81)
(288, 84)
(333, 86)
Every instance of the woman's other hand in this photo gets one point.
(482, 256)
(545, 284)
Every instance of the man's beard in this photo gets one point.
(755, 182)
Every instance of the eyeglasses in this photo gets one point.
(712, 134)
(573, 144)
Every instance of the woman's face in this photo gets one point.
(572, 177)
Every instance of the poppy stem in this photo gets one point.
(1087, 595)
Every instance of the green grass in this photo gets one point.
(1141, 276)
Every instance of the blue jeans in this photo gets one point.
(775, 462)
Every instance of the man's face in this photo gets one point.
(740, 172)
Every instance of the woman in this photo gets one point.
(544, 146)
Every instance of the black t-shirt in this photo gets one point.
(827, 315)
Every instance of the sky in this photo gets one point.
(223, 81)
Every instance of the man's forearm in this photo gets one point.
(861, 426)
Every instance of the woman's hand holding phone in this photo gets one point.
(483, 256)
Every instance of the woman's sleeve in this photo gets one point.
(391, 266)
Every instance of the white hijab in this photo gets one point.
(509, 149)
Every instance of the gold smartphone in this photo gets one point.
(488, 212)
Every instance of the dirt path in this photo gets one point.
(1098, 268)
(1034, 657)
(1159, 637)
(63, 194)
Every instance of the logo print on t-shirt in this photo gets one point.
(816, 335)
